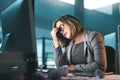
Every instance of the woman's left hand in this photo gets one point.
(71, 68)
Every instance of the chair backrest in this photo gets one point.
(110, 53)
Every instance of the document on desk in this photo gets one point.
(112, 77)
(89, 74)
(79, 78)
(107, 77)
(75, 78)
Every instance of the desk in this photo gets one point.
(107, 77)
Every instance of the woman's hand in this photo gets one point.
(71, 68)
(54, 37)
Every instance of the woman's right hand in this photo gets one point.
(54, 37)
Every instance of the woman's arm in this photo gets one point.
(60, 59)
(96, 59)
(99, 51)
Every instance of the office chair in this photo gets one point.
(110, 53)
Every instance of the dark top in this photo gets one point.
(77, 53)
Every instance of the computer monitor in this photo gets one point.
(18, 20)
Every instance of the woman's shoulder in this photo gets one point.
(91, 34)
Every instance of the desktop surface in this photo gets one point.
(72, 76)
(106, 77)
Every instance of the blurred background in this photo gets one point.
(96, 15)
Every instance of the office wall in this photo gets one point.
(104, 20)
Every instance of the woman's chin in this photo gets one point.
(67, 37)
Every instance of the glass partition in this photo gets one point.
(45, 52)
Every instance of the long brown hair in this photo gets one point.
(74, 24)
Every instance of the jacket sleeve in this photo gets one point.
(60, 58)
(95, 54)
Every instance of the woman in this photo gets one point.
(84, 50)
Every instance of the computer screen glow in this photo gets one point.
(69, 1)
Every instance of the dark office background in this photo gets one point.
(104, 18)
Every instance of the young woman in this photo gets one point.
(83, 50)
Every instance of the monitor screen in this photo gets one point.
(18, 20)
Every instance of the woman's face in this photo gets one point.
(65, 29)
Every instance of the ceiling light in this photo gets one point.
(69, 1)
(93, 4)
